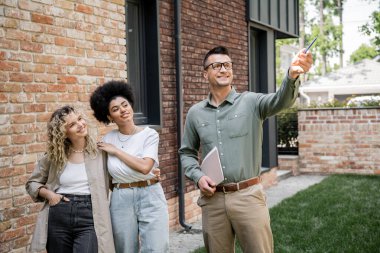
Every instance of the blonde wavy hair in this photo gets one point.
(58, 145)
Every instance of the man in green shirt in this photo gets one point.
(232, 122)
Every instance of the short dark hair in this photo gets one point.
(215, 50)
(103, 95)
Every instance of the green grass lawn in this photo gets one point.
(340, 214)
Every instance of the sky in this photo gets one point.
(356, 13)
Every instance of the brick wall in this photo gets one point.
(339, 140)
(288, 162)
(204, 26)
(57, 52)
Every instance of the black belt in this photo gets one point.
(78, 198)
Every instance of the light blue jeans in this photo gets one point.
(140, 220)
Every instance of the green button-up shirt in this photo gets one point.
(235, 128)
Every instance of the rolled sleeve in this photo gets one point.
(38, 180)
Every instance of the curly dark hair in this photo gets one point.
(103, 95)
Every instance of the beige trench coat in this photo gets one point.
(47, 176)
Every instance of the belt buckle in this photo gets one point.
(224, 189)
(148, 182)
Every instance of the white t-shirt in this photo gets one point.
(142, 144)
(74, 180)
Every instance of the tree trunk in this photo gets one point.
(324, 57)
(340, 10)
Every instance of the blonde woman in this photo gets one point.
(72, 180)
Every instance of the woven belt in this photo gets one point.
(233, 187)
(136, 184)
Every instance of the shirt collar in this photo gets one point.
(230, 97)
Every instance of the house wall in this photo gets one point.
(57, 52)
(339, 140)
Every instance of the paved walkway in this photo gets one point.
(188, 241)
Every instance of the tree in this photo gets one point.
(373, 28)
(329, 34)
(363, 52)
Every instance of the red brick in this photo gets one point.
(84, 8)
(66, 61)
(55, 69)
(3, 55)
(34, 88)
(40, 98)
(9, 66)
(4, 226)
(42, 19)
(12, 34)
(34, 207)
(12, 234)
(3, 98)
(18, 77)
(20, 57)
(67, 79)
(11, 150)
(5, 140)
(34, 108)
(36, 147)
(22, 200)
(23, 139)
(46, 59)
(24, 159)
(57, 88)
(22, 119)
(44, 78)
(35, 68)
(21, 242)
(60, 41)
(31, 47)
(95, 72)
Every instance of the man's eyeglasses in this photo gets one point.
(218, 65)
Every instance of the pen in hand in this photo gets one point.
(307, 49)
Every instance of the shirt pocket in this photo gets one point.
(205, 131)
(237, 125)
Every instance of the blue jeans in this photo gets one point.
(140, 220)
(71, 226)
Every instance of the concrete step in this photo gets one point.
(283, 174)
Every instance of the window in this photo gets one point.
(262, 80)
(143, 59)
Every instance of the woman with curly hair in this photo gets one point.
(138, 208)
(72, 180)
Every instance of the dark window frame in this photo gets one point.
(143, 59)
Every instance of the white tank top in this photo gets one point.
(74, 180)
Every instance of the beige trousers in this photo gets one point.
(242, 213)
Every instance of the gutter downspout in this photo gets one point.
(179, 98)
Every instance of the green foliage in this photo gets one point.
(373, 28)
(332, 216)
(347, 103)
(287, 128)
(332, 104)
(363, 52)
